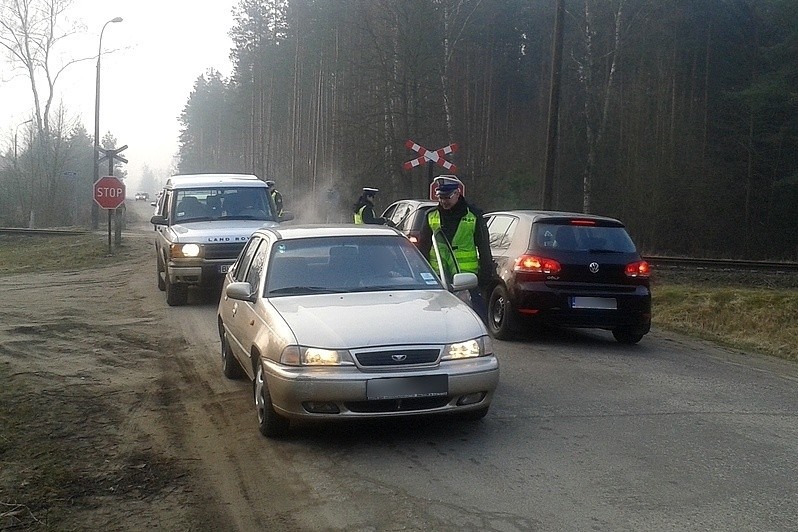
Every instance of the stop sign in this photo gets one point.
(109, 192)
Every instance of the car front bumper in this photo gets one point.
(205, 273)
(341, 392)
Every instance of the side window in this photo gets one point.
(256, 269)
(500, 231)
(166, 202)
(242, 264)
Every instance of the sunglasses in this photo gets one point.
(447, 195)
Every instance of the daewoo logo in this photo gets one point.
(399, 358)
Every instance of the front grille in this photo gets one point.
(223, 251)
(398, 357)
(397, 405)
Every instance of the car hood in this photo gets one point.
(218, 231)
(378, 318)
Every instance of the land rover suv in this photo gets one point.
(202, 222)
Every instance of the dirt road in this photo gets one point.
(149, 433)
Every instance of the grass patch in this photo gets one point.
(750, 319)
(40, 253)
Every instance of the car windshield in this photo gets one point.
(347, 264)
(222, 203)
(592, 238)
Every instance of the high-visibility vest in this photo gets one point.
(359, 215)
(465, 251)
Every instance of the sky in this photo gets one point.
(148, 68)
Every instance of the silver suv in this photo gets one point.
(202, 222)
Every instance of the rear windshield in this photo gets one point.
(222, 203)
(592, 238)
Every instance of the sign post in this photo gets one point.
(112, 155)
(109, 194)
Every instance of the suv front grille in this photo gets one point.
(223, 251)
(398, 357)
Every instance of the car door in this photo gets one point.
(232, 311)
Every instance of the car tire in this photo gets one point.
(501, 314)
(270, 423)
(176, 293)
(627, 335)
(160, 274)
(230, 366)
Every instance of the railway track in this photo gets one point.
(687, 263)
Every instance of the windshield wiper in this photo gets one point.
(604, 251)
(299, 290)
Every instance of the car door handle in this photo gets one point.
(235, 308)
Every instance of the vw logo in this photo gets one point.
(594, 267)
(399, 358)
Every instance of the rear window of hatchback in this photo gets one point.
(581, 238)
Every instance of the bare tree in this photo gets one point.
(30, 31)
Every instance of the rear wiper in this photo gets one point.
(604, 251)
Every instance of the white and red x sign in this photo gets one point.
(426, 155)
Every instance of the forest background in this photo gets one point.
(679, 117)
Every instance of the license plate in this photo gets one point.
(223, 268)
(607, 303)
(405, 387)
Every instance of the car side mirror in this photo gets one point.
(240, 291)
(286, 216)
(464, 281)
(158, 220)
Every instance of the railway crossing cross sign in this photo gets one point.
(431, 157)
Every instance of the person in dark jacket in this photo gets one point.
(464, 226)
(276, 196)
(363, 209)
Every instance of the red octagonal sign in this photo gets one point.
(109, 192)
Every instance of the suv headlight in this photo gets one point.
(295, 355)
(186, 251)
(478, 347)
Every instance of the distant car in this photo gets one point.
(142, 196)
(408, 216)
(341, 322)
(567, 269)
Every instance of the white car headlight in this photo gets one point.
(477, 347)
(295, 355)
(179, 251)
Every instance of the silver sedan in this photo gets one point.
(346, 321)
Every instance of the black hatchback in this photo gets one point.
(568, 270)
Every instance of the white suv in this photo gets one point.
(201, 223)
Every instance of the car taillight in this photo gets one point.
(534, 264)
(638, 269)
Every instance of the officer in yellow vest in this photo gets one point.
(464, 226)
(363, 209)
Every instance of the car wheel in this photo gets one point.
(160, 273)
(501, 315)
(270, 423)
(627, 335)
(230, 366)
(176, 293)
